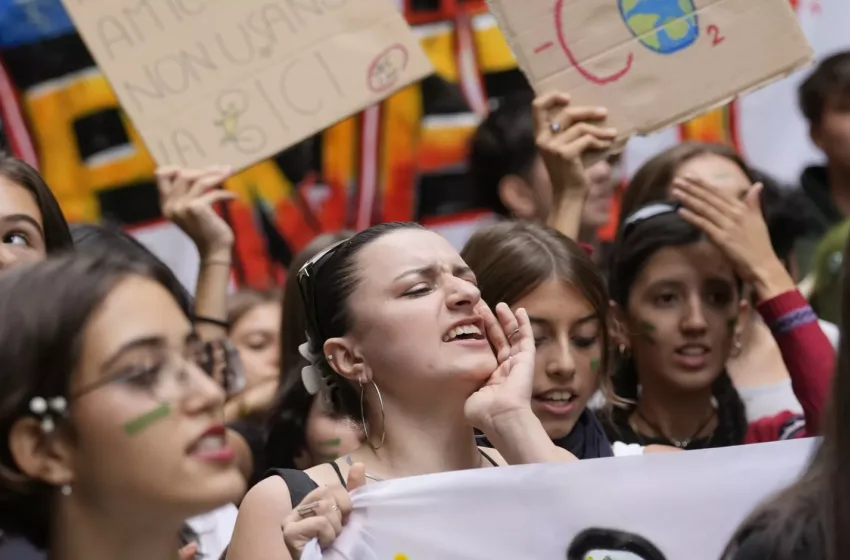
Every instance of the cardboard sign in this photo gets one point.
(671, 506)
(234, 82)
(652, 63)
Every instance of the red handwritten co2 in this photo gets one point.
(386, 69)
(712, 30)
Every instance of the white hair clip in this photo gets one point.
(650, 211)
(310, 375)
(47, 410)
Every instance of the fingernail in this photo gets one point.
(601, 111)
(677, 193)
(611, 131)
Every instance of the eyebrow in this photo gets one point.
(149, 342)
(431, 270)
(16, 218)
(579, 322)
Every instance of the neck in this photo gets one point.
(426, 437)
(677, 415)
(82, 534)
(839, 187)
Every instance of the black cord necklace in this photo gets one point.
(681, 444)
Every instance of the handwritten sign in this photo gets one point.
(234, 82)
(671, 506)
(652, 63)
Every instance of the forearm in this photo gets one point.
(211, 292)
(567, 212)
(520, 438)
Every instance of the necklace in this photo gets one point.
(369, 476)
(681, 444)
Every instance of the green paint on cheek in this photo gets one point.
(144, 421)
(594, 365)
(330, 443)
(647, 331)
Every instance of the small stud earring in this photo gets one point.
(65, 489)
(330, 358)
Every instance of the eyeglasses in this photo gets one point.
(306, 284)
(164, 373)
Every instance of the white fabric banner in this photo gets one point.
(654, 507)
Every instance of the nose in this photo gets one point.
(462, 294)
(694, 318)
(7, 257)
(560, 362)
(203, 393)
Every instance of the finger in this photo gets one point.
(509, 324)
(716, 214)
(304, 530)
(214, 177)
(753, 197)
(214, 197)
(526, 334)
(543, 105)
(183, 181)
(494, 332)
(584, 144)
(569, 116)
(705, 191)
(189, 551)
(164, 178)
(701, 223)
(356, 477)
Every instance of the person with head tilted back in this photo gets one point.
(112, 432)
(396, 322)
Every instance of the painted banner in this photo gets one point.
(680, 506)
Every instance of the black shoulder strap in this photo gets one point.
(298, 482)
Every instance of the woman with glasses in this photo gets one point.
(400, 337)
(111, 432)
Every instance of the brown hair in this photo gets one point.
(511, 259)
(245, 300)
(293, 322)
(652, 181)
(810, 518)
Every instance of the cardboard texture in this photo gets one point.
(652, 63)
(234, 82)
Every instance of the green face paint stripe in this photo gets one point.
(647, 327)
(330, 443)
(594, 364)
(142, 422)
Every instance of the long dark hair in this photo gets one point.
(45, 309)
(511, 259)
(57, 237)
(636, 243)
(812, 516)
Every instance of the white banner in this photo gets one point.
(680, 506)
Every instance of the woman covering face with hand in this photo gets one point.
(113, 434)
(395, 318)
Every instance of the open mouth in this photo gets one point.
(557, 401)
(693, 350)
(464, 332)
(212, 446)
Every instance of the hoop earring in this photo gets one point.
(737, 348)
(363, 416)
(65, 489)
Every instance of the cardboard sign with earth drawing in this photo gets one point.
(652, 63)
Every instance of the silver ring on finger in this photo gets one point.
(334, 507)
(307, 510)
(513, 334)
(555, 127)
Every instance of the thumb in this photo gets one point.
(356, 477)
(189, 551)
(753, 197)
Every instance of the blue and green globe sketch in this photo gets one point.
(663, 26)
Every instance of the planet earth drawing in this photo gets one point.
(663, 26)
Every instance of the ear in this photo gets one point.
(744, 309)
(516, 195)
(41, 456)
(345, 360)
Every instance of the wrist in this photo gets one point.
(771, 280)
(221, 251)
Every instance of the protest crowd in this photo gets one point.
(142, 419)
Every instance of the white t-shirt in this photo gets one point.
(214, 530)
